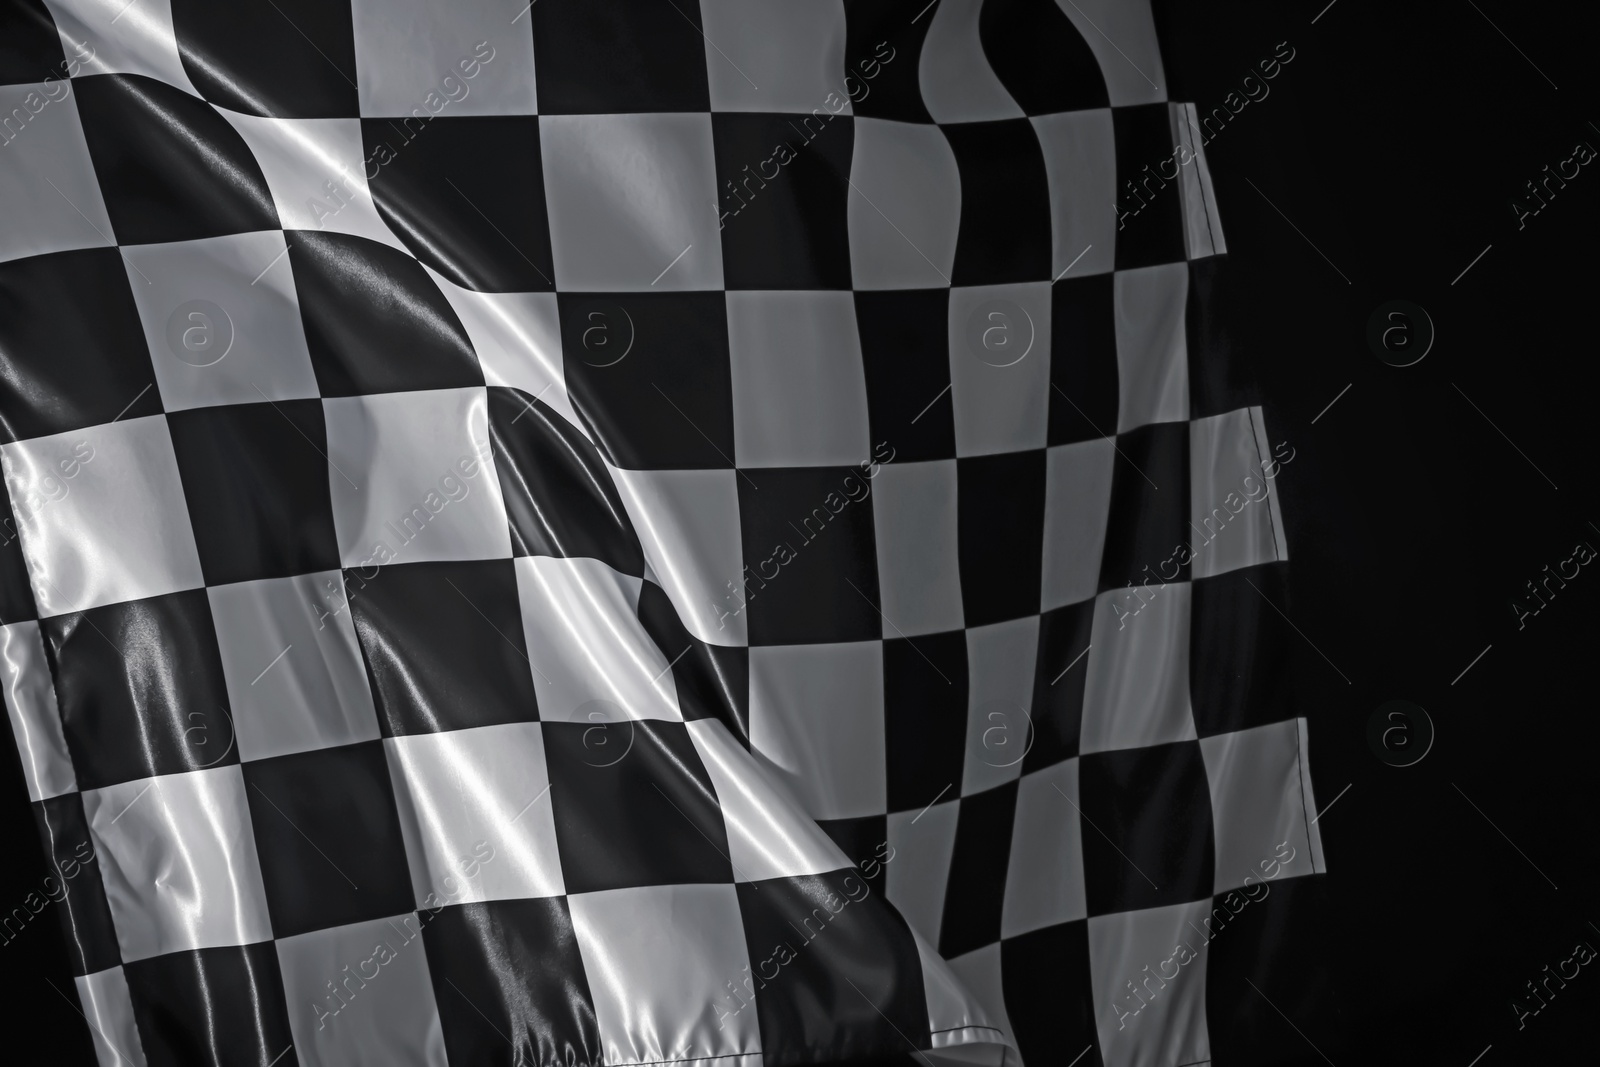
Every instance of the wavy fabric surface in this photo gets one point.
(632, 532)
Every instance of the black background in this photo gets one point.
(1395, 141)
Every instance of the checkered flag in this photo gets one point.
(632, 533)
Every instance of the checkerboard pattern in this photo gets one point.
(522, 517)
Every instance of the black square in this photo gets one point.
(924, 717)
(1049, 996)
(444, 645)
(1240, 647)
(865, 840)
(1083, 360)
(1221, 378)
(220, 1006)
(1058, 681)
(91, 938)
(256, 480)
(374, 321)
(811, 557)
(1149, 513)
(622, 57)
(648, 374)
(836, 972)
(61, 369)
(1005, 203)
(546, 1012)
(30, 47)
(283, 58)
(1040, 57)
(782, 190)
(328, 838)
(466, 195)
(712, 681)
(976, 891)
(1149, 841)
(883, 42)
(905, 350)
(558, 493)
(1149, 213)
(140, 688)
(648, 816)
(16, 595)
(1000, 523)
(171, 168)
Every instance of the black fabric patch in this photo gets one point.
(1001, 528)
(547, 1014)
(821, 542)
(811, 940)
(444, 645)
(328, 838)
(466, 195)
(255, 477)
(281, 58)
(171, 168)
(649, 375)
(646, 814)
(132, 681)
(558, 493)
(374, 321)
(59, 368)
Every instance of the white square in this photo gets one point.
(222, 320)
(1152, 345)
(1000, 367)
(394, 459)
(30, 696)
(1258, 804)
(1202, 223)
(296, 679)
(1147, 972)
(517, 337)
(466, 794)
(816, 721)
(628, 195)
(688, 523)
(388, 1017)
(588, 649)
(956, 80)
(108, 1008)
(922, 845)
(179, 862)
(470, 57)
(658, 961)
(120, 532)
(1137, 690)
(769, 833)
(1044, 877)
(915, 525)
(1123, 39)
(1000, 666)
(1080, 164)
(774, 55)
(119, 37)
(904, 206)
(317, 172)
(44, 150)
(1077, 507)
(799, 388)
(1230, 497)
